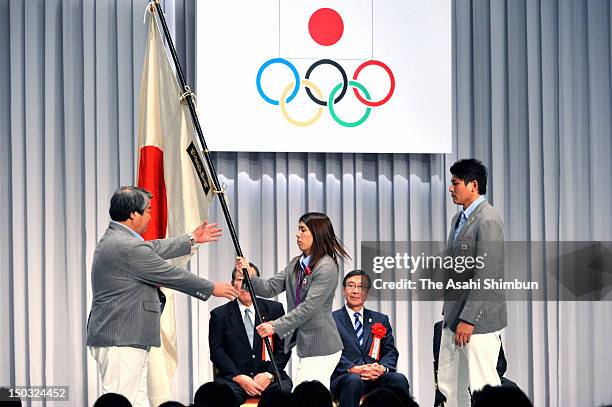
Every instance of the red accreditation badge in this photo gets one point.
(378, 332)
(264, 352)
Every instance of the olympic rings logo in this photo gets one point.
(315, 94)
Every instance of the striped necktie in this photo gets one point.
(358, 328)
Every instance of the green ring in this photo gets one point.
(330, 105)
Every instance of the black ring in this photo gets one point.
(344, 81)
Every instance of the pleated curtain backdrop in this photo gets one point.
(532, 99)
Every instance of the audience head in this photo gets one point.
(312, 393)
(213, 394)
(316, 238)
(403, 395)
(171, 404)
(388, 395)
(500, 396)
(7, 400)
(356, 285)
(275, 398)
(237, 279)
(468, 181)
(112, 400)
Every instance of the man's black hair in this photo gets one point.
(312, 393)
(501, 396)
(382, 396)
(365, 278)
(112, 400)
(275, 397)
(471, 169)
(127, 200)
(171, 404)
(214, 394)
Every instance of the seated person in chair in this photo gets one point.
(237, 351)
(369, 357)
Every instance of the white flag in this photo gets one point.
(168, 158)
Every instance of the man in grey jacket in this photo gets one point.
(125, 312)
(473, 317)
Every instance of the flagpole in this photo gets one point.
(188, 96)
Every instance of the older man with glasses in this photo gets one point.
(369, 357)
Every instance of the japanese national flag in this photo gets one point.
(168, 152)
(317, 29)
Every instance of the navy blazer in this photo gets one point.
(230, 350)
(353, 354)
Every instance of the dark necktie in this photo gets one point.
(458, 225)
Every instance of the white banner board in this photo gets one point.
(325, 76)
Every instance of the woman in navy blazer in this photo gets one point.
(310, 281)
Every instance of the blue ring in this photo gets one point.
(295, 74)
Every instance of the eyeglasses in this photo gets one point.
(353, 286)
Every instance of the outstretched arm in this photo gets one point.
(266, 288)
(148, 267)
(181, 245)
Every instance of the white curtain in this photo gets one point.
(532, 99)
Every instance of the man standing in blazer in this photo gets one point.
(475, 317)
(123, 322)
(362, 368)
(237, 351)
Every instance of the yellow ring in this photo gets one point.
(283, 104)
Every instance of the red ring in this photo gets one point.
(391, 89)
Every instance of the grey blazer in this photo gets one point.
(310, 325)
(125, 310)
(486, 310)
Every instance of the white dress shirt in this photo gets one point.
(351, 315)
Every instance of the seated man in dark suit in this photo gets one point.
(369, 357)
(236, 349)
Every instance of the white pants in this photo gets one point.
(468, 368)
(123, 370)
(316, 368)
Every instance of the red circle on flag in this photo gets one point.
(326, 26)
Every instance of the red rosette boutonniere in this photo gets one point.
(378, 332)
(307, 272)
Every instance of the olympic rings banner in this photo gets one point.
(332, 100)
(325, 76)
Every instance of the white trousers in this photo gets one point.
(466, 369)
(316, 368)
(123, 370)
